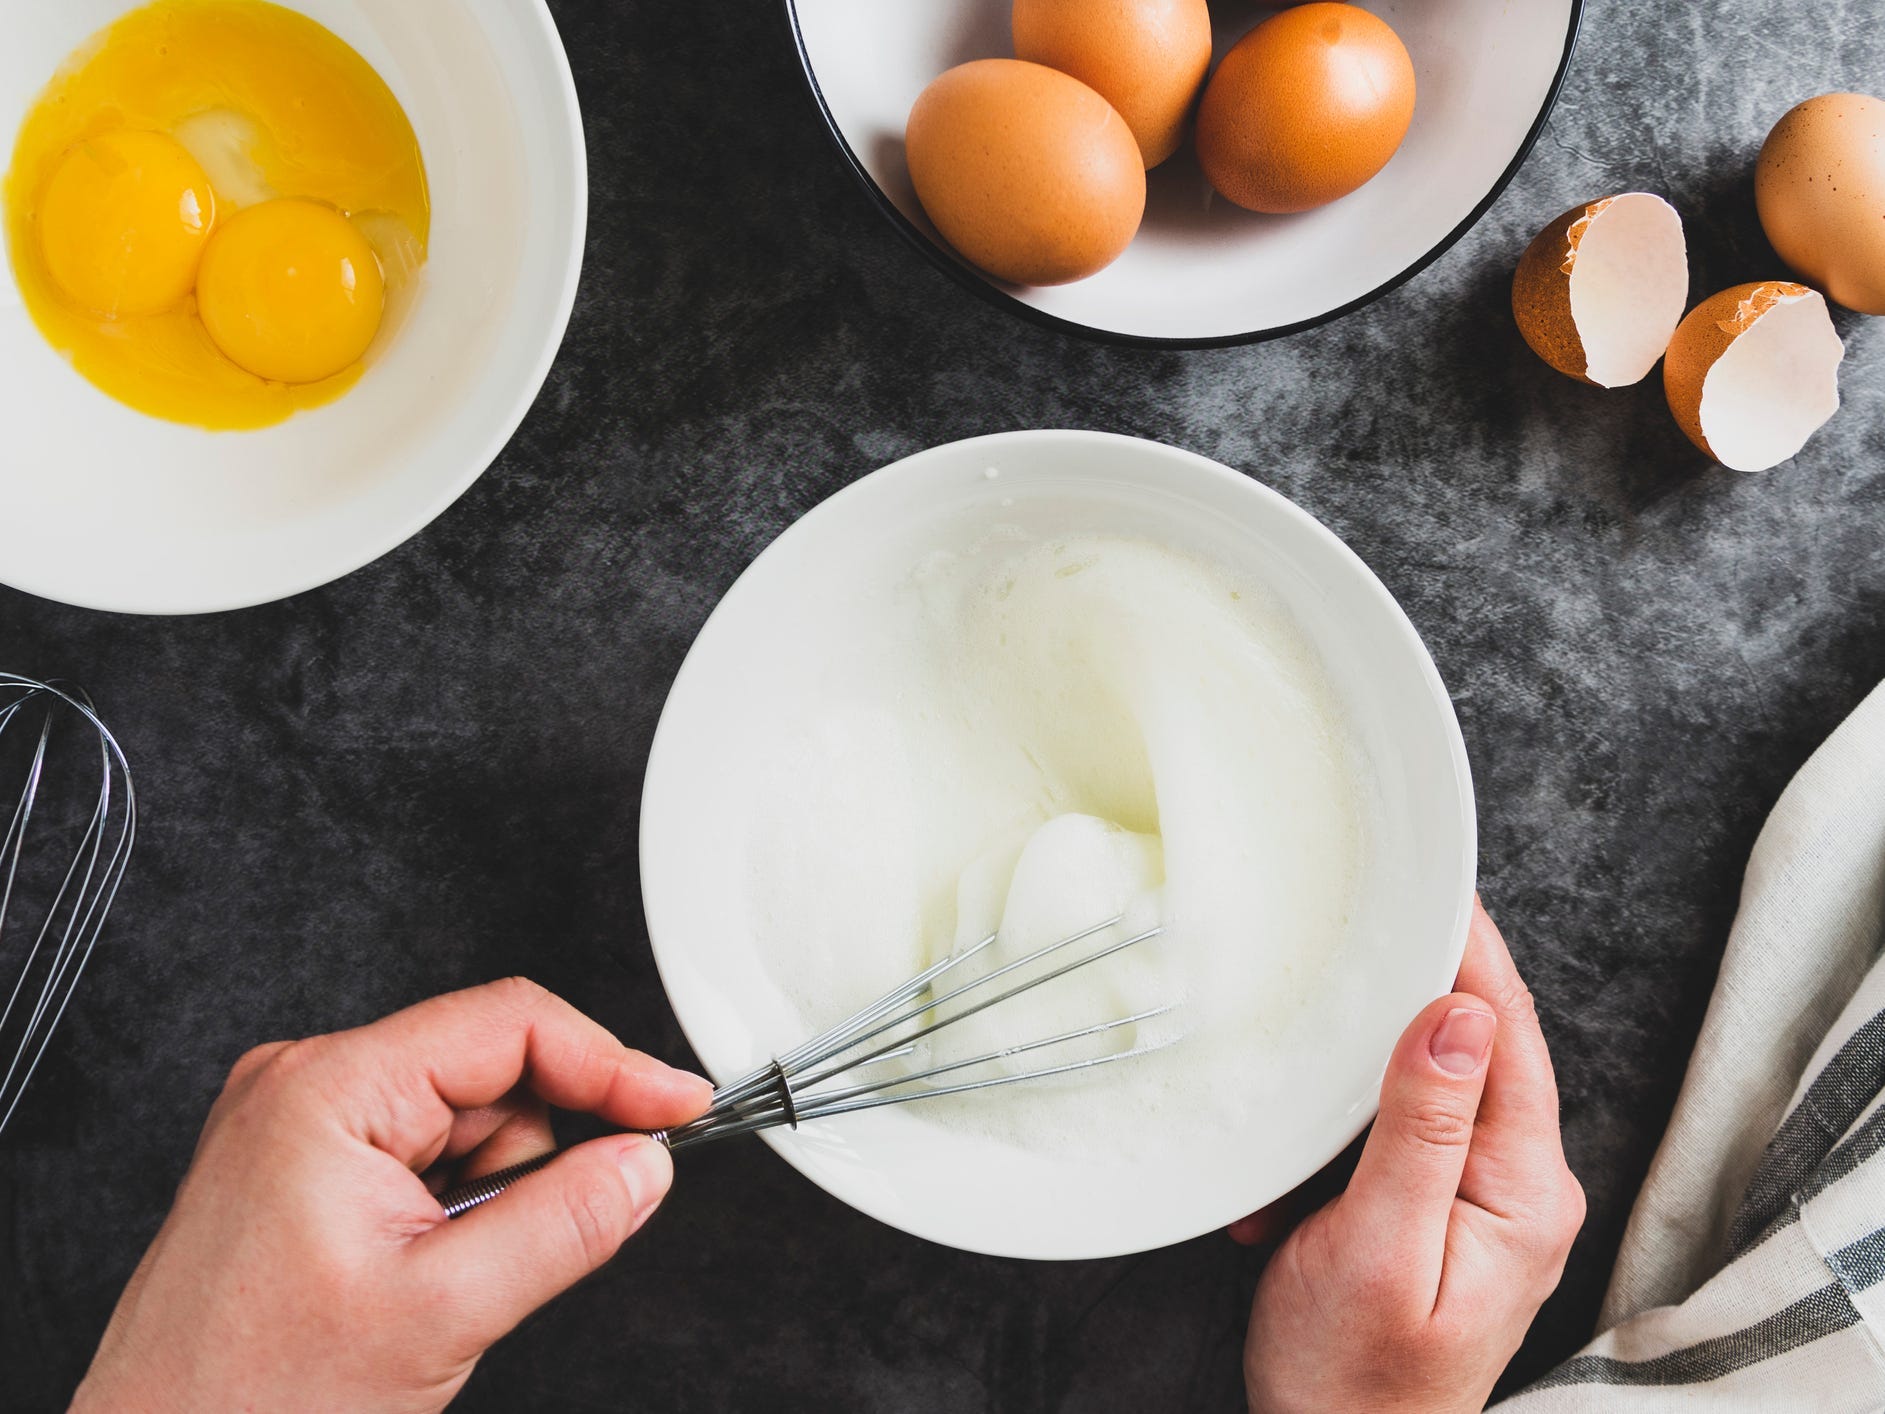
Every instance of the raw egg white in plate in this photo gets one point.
(107, 507)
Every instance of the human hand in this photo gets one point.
(306, 1264)
(1412, 1290)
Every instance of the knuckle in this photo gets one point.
(1551, 1225)
(1574, 1193)
(1572, 1208)
(1514, 1000)
(1436, 1123)
(594, 1210)
(268, 1067)
(253, 1061)
(519, 995)
(295, 1059)
(1547, 1272)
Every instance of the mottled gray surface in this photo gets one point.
(426, 775)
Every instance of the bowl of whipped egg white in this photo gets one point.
(281, 280)
(1016, 686)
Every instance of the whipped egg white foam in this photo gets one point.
(1028, 736)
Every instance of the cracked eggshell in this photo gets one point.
(1599, 292)
(1753, 372)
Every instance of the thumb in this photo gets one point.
(1400, 1200)
(552, 1228)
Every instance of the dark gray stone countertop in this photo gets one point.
(426, 775)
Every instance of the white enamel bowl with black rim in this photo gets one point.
(1202, 271)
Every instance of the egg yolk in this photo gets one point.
(290, 290)
(178, 122)
(123, 221)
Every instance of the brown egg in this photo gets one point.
(1027, 172)
(1145, 57)
(1820, 188)
(1308, 106)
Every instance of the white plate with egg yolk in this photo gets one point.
(775, 826)
(107, 507)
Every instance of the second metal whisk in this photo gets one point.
(65, 889)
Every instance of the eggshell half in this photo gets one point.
(1753, 372)
(1600, 290)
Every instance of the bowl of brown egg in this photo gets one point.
(1172, 172)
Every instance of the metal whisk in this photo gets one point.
(796, 1086)
(81, 844)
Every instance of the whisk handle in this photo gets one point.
(460, 1200)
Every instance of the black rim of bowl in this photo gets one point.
(973, 281)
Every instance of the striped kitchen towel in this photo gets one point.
(1752, 1274)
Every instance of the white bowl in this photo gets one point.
(105, 507)
(753, 659)
(1202, 271)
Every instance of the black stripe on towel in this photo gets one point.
(1825, 1312)
(1860, 1264)
(1864, 1144)
(1854, 1153)
(1847, 1083)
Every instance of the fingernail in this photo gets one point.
(682, 1084)
(1460, 1042)
(647, 1168)
(688, 1093)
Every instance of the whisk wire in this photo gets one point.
(851, 1092)
(785, 1091)
(764, 1086)
(760, 1078)
(75, 917)
(964, 1087)
(75, 944)
(977, 1008)
(791, 1100)
(11, 847)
